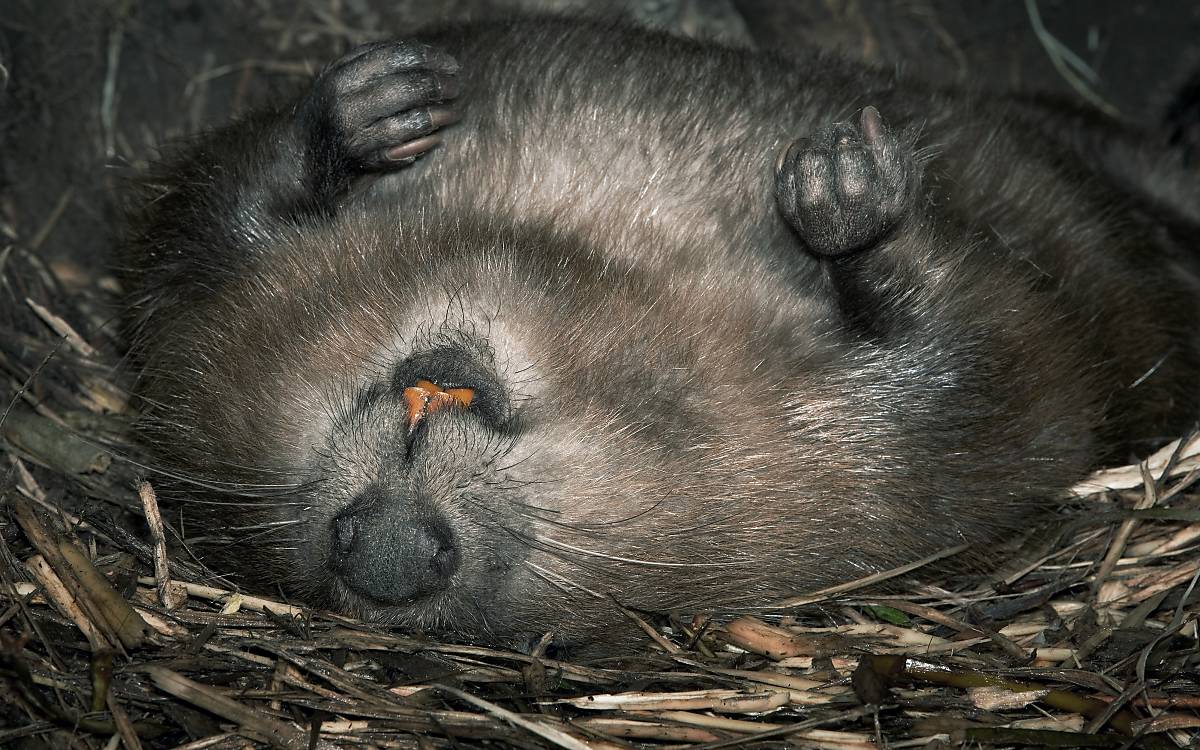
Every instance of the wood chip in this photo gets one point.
(106, 610)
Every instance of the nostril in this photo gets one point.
(444, 560)
(344, 528)
(434, 549)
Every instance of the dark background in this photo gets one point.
(90, 89)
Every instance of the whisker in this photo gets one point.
(267, 525)
(193, 500)
(549, 541)
(560, 582)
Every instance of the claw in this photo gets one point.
(412, 149)
(872, 125)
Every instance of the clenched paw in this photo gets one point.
(845, 188)
(379, 106)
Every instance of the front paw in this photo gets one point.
(378, 107)
(848, 186)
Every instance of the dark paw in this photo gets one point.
(379, 106)
(848, 186)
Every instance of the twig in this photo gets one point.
(62, 328)
(254, 723)
(170, 595)
(254, 603)
(51, 221)
(870, 580)
(550, 734)
(646, 628)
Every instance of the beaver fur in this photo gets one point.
(736, 327)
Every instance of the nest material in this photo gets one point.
(1085, 637)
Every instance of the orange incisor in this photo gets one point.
(427, 397)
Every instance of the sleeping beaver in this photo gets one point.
(605, 312)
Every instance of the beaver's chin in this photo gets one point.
(449, 613)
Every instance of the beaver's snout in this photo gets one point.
(393, 550)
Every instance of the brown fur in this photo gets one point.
(680, 414)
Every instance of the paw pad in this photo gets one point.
(846, 187)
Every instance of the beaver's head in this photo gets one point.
(494, 434)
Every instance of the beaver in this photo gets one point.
(488, 327)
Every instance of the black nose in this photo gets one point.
(392, 552)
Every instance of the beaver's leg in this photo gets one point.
(970, 393)
(241, 188)
(846, 190)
